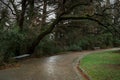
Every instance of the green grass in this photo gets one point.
(102, 65)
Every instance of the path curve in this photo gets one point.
(59, 67)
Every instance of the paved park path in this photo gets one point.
(59, 67)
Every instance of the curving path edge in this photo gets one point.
(59, 67)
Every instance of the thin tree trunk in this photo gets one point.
(31, 10)
(21, 16)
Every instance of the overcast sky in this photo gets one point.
(111, 1)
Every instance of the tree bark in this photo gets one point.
(42, 35)
(31, 9)
(22, 15)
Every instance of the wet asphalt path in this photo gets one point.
(59, 67)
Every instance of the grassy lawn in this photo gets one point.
(102, 65)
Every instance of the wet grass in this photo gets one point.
(102, 66)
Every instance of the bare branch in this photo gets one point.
(14, 6)
(8, 7)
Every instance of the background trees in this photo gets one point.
(50, 26)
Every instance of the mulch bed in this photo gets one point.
(85, 76)
(7, 66)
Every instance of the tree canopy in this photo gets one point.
(26, 25)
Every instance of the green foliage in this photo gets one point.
(84, 43)
(116, 42)
(10, 43)
(103, 41)
(75, 35)
(48, 47)
(74, 47)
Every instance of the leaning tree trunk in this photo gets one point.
(42, 35)
(61, 11)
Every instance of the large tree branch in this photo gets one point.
(43, 34)
(86, 18)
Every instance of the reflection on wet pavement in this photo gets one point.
(50, 68)
(58, 67)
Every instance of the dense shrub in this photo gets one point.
(74, 47)
(11, 42)
(102, 41)
(48, 47)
